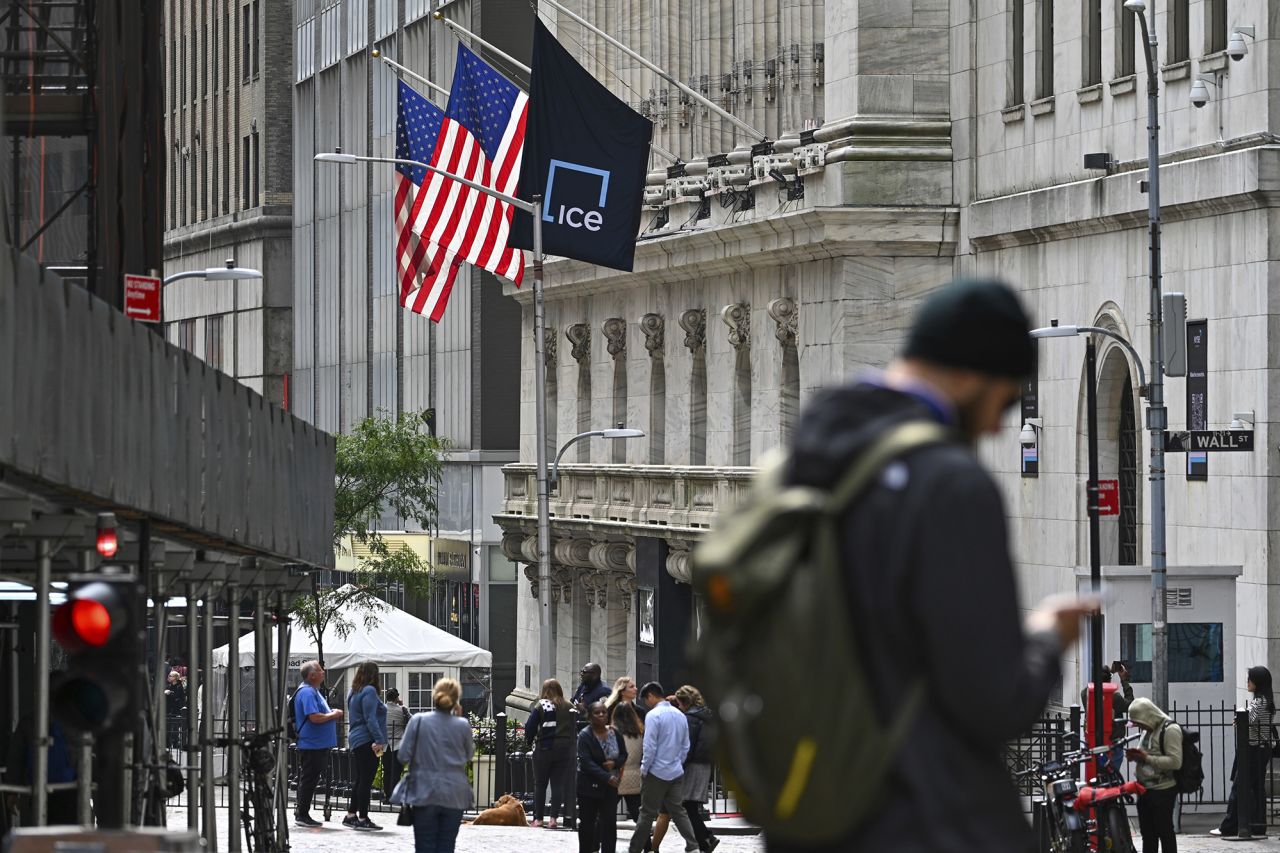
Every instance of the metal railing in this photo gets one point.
(1058, 731)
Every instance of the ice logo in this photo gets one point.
(575, 217)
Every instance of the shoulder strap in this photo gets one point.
(885, 449)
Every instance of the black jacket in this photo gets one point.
(932, 590)
(702, 735)
(593, 779)
(550, 727)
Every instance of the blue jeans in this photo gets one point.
(435, 829)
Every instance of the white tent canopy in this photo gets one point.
(400, 639)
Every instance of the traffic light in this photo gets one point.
(97, 626)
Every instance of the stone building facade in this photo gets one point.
(948, 139)
(229, 130)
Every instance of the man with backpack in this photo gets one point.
(874, 559)
(317, 728)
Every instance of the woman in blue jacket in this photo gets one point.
(366, 740)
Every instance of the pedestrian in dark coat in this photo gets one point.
(602, 755)
(930, 582)
(550, 732)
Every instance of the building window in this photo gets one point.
(245, 163)
(1179, 31)
(1092, 59)
(227, 178)
(1044, 49)
(1195, 652)
(226, 50)
(1017, 53)
(1126, 33)
(1215, 26)
(420, 686)
(187, 335)
(213, 342)
(257, 38)
(256, 178)
(246, 49)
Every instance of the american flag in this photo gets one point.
(440, 223)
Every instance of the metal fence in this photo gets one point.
(1060, 731)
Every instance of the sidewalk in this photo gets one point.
(333, 838)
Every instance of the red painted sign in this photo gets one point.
(142, 298)
(1108, 497)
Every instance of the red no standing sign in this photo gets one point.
(142, 298)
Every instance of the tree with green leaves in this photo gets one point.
(385, 466)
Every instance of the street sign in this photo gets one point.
(1108, 497)
(142, 298)
(1240, 440)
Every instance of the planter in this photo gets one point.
(484, 785)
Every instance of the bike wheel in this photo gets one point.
(1119, 834)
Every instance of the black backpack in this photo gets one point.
(292, 721)
(1189, 778)
(771, 569)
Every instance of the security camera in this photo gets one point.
(1237, 47)
(1199, 94)
(778, 176)
(1030, 434)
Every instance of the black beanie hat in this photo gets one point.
(974, 324)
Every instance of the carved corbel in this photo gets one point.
(511, 547)
(694, 323)
(531, 572)
(579, 335)
(783, 312)
(615, 335)
(529, 549)
(626, 585)
(678, 564)
(654, 328)
(572, 552)
(562, 578)
(610, 556)
(738, 318)
(549, 343)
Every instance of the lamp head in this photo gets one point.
(1055, 332)
(1138, 7)
(622, 432)
(335, 157)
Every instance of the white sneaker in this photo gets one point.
(1216, 833)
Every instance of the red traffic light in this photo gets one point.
(89, 619)
(108, 542)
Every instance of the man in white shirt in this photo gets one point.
(666, 743)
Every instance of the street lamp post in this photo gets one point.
(619, 432)
(1157, 415)
(546, 650)
(1091, 490)
(230, 272)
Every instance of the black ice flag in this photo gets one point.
(586, 152)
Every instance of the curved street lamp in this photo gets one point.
(230, 272)
(620, 432)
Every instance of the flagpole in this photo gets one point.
(377, 54)
(546, 648)
(546, 644)
(706, 102)
(489, 46)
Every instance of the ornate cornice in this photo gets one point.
(738, 318)
(694, 323)
(579, 335)
(615, 335)
(654, 328)
(783, 312)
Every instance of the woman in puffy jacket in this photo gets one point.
(551, 731)
(366, 739)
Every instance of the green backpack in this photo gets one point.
(769, 574)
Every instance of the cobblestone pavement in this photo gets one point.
(333, 838)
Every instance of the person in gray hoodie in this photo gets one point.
(1157, 755)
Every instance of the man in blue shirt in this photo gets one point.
(317, 734)
(666, 743)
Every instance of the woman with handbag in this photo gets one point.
(1262, 710)
(366, 739)
(602, 755)
(549, 731)
(437, 747)
(627, 723)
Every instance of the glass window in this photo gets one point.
(1195, 651)
(420, 686)
(213, 342)
(501, 569)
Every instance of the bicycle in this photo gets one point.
(1067, 803)
(258, 803)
